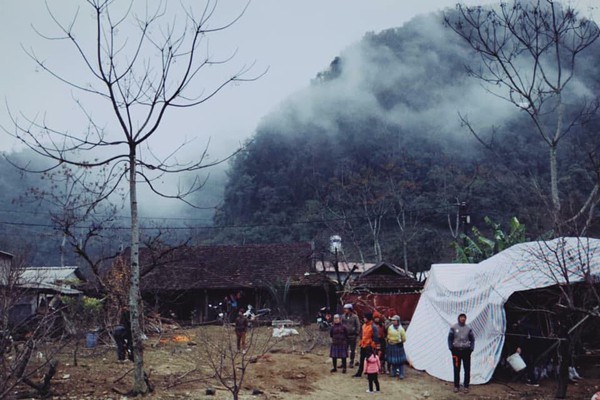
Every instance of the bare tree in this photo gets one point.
(141, 65)
(404, 198)
(356, 205)
(570, 265)
(229, 364)
(81, 210)
(23, 353)
(530, 53)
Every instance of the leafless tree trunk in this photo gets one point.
(406, 220)
(356, 205)
(139, 73)
(135, 305)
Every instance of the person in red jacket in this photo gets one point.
(372, 365)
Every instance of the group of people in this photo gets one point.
(381, 346)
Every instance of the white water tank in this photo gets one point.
(335, 244)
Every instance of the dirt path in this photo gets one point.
(294, 376)
(286, 372)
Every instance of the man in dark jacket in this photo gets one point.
(241, 328)
(352, 323)
(461, 343)
(123, 336)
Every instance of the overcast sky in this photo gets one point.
(293, 39)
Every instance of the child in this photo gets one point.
(339, 343)
(371, 368)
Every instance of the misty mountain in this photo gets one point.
(25, 227)
(373, 149)
(375, 146)
(31, 212)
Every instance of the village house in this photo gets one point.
(32, 289)
(39, 287)
(196, 283)
(386, 288)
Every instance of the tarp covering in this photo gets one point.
(480, 291)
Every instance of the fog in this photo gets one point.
(290, 40)
(429, 76)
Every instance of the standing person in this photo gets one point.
(367, 342)
(352, 324)
(372, 365)
(527, 338)
(339, 343)
(123, 336)
(396, 357)
(241, 328)
(380, 344)
(461, 343)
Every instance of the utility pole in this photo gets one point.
(465, 219)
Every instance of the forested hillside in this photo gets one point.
(374, 150)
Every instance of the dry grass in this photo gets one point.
(295, 367)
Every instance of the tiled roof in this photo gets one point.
(214, 267)
(385, 276)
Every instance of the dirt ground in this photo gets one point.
(295, 367)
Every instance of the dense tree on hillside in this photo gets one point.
(530, 53)
(384, 117)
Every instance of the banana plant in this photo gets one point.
(477, 247)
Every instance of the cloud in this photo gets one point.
(411, 77)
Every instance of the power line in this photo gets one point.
(221, 227)
(41, 214)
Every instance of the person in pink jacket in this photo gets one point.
(371, 367)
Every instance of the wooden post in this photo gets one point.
(205, 318)
(306, 301)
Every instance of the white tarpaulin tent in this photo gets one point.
(480, 291)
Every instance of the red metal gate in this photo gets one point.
(403, 304)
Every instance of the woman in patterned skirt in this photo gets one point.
(339, 343)
(395, 354)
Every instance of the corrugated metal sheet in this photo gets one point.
(47, 274)
(54, 279)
